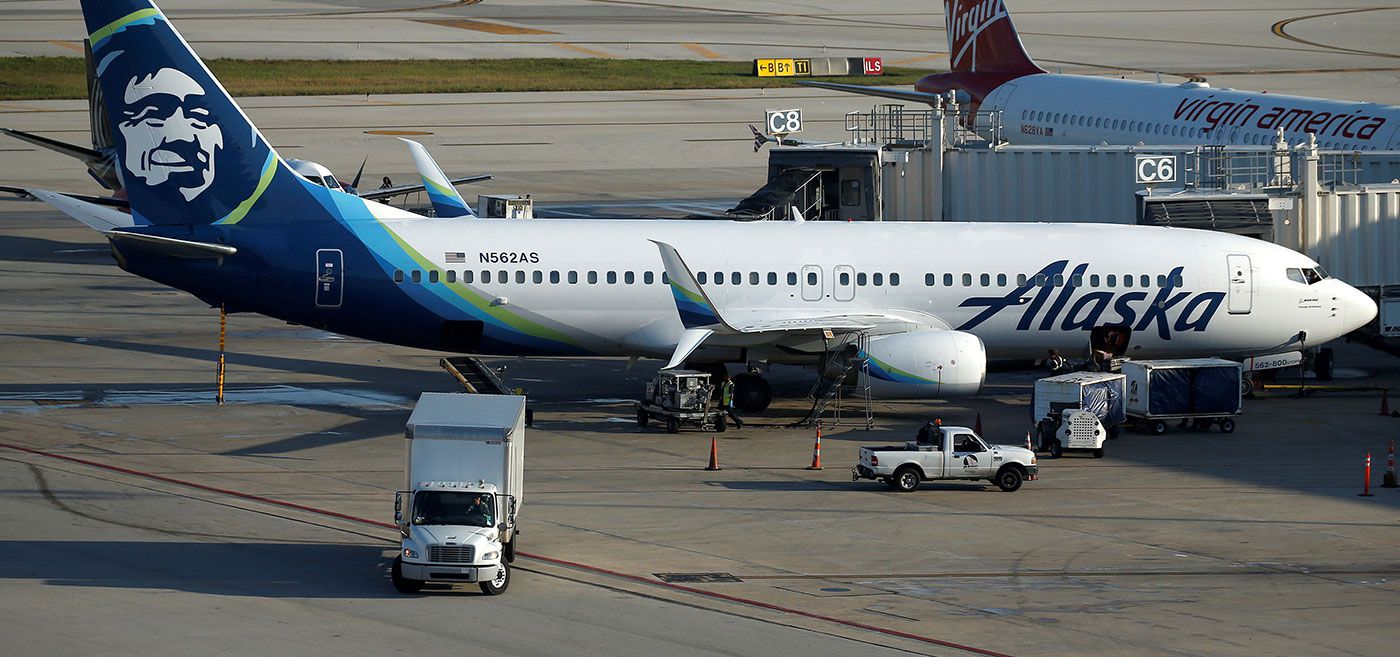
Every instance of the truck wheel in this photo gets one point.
(673, 425)
(1227, 425)
(721, 424)
(1098, 453)
(401, 583)
(642, 417)
(1159, 427)
(498, 585)
(906, 479)
(1009, 479)
(1056, 448)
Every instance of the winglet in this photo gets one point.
(695, 308)
(446, 201)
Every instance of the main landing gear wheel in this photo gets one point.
(752, 394)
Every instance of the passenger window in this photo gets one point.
(1112, 280)
(1041, 280)
(812, 278)
(703, 278)
(1093, 280)
(877, 279)
(986, 280)
(845, 279)
(538, 277)
(612, 278)
(1179, 280)
(948, 280)
(1161, 280)
(468, 276)
(432, 276)
(928, 280)
(417, 276)
(967, 280)
(792, 278)
(1001, 280)
(894, 279)
(1059, 280)
(753, 278)
(719, 278)
(573, 278)
(860, 279)
(772, 278)
(1145, 280)
(554, 278)
(665, 280)
(520, 277)
(1127, 280)
(1020, 280)
(736, 278)
(398, 275)
(451, 276)
(592, 278)
(648, 278)
(629, 278)
(1077, 280)
(503, 276)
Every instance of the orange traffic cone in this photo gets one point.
(1385, 402)
(714, 456)
(817, 450)
(977, 429)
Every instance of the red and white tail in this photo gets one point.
(981, 39)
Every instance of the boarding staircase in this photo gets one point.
(842, 377)
(475, 376)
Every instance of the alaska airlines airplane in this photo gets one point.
(215, 211)
(988, 62)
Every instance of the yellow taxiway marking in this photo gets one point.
(75, 47)
(587, 51)
(482, 26)
(701, 50)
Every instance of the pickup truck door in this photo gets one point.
(969, 458)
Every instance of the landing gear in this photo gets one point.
(752, 394)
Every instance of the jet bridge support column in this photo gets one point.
(1295, 229)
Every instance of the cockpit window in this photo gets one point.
(1306, 276)
(332, 183)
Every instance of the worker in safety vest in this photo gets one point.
(726, 401)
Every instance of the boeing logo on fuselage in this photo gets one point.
(1061, 307)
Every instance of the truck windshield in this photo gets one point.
(450, 507)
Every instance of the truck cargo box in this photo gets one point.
(464, 437)
(1101, 393)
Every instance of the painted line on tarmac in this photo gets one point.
(537, 557)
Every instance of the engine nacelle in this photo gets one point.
(926, 364)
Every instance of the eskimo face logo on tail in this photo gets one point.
(169, 135)
(1062, 307)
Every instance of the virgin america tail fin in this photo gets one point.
(981, 39)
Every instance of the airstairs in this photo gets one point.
(843, 384)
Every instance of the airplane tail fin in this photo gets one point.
(446, 201)
(186, 153)
(981, 39)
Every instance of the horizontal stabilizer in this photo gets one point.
(87, 155)
(883, 92)
(170, 246)
(400, 190)
(99, 217)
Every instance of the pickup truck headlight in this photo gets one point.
(410, 553)
(491, 556)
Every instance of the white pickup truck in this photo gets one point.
(946, 453)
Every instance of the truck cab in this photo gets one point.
(949, 453)
(453, 532)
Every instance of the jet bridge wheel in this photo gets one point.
(752, 394)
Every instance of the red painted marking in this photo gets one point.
(537, 557)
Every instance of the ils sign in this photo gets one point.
(1155, 169)
(784, 122)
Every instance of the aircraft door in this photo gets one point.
(855, 194)
(1241, 284)
(811, 283)
(843, 287)
(330, 278)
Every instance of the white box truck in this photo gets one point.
(464, 483)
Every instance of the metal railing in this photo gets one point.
(899, 125)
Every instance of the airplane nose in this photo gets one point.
(1358, 308)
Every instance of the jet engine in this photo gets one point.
(925, 364)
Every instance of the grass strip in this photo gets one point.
(42, 78)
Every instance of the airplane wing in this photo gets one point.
(398, 190)
(97, 216)
(702, 319)
(883, 92)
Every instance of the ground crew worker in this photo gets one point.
(1055, 362)
(726, 402)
